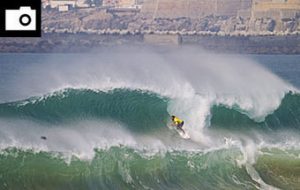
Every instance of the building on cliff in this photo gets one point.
(65, 5)
(194, 8)
(62, 5)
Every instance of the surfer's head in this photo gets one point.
(173, 117)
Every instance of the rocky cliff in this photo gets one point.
(100, 21)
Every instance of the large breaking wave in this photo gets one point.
(105, 117)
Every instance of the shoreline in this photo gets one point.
(85, 42)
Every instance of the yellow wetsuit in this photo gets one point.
(177, 121)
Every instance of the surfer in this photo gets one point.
(178, 123)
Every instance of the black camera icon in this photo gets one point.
(23, 19)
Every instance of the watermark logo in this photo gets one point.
(20, 18)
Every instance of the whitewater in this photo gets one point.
(105, 115)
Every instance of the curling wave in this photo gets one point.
(139, 110)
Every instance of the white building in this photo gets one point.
(120, 3)
(62, 5)
(65, 5)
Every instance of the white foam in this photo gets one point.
(81, 138)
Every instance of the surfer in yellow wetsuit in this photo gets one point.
(178, 123)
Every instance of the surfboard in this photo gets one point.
(182, 134)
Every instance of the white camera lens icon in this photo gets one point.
(23, 19)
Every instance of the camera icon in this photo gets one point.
(23, 19)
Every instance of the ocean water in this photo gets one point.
(106, 115)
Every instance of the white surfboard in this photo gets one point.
(181, 133)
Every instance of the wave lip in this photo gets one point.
(287, 115)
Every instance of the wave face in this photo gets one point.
(138, 110)
(105, 121)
